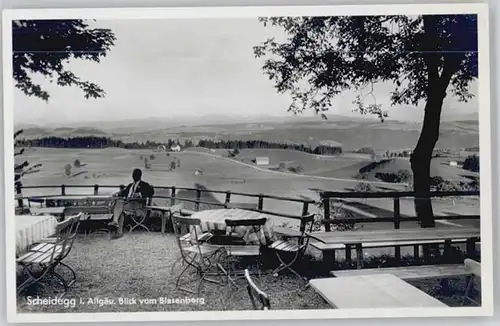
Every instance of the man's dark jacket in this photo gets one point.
(145, 189)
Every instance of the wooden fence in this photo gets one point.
(259, 199)
(328, 196)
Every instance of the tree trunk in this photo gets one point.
(422, 155)
(421, 158)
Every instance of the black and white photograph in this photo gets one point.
(305, 161)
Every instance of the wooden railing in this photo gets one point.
(259, 198)
(328, 196)
(325, 198)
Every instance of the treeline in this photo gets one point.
(104, 142)
(90, 142)
(251, 144)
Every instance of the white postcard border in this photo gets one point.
(481, 9)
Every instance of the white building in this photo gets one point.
(176, 148)
(262, 160)
(453, 163)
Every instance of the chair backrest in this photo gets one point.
(473, 267)
(306, 225)
(192, 225)
(253, 226)
(247, 222)
(257, 295)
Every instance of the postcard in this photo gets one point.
(232, 163)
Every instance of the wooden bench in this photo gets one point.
(410, 272)
(331, 248)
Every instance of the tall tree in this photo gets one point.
(45, 46)
(425, 57)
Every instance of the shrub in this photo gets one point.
(364, 187)
(362, 176)
(366, 150)
(338, 212)
(77, 163)
(296, 169)
(67, 169)
(234, 152)
(471, 163)
(152, 157)
(400, 176)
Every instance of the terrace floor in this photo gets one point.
(138, 265)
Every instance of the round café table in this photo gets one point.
(214, 220)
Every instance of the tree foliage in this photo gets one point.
(25, 167)
(424, 57)
(471, 163)
(44, 47)
(324, 56)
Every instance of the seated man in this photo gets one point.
(132, 200)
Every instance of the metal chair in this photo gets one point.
(195, 254)
(49, 254)
(296, 248)
(185, 239)
(474, 268)
(239, 247)
(257, 294)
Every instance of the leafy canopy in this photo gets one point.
(323, 56)
(45, 46)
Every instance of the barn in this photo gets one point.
(261, 160)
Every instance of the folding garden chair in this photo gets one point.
(240, 247)
(187, 238)
(257, 294)
(49, 254)
(196, 255)
(295, 249)
(474, 268)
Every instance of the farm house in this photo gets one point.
(176, 148)
(261, 160)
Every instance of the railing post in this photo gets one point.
(172, 196)
(397, 222)
(96, 189)
(63, 190)
(397, 213)
(305, 209)
(326, 207)
(260, 205)
(19, 191)
(198, 198)
(228, 198)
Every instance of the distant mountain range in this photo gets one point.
(102, 127)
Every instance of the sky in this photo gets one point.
(181, 67)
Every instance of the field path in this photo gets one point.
(381, 183)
